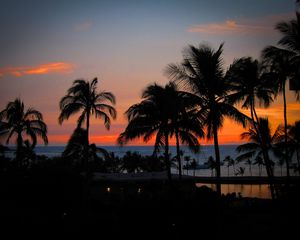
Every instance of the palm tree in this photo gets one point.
(260, 162)
(194, 166)
(250, 84)
(212, 164)
(132, 162)
(249, 163)
(202, 74)
(18, 122)
(230, 162)
(290, 42)
(187, 159)
(75, 148)
(83, 96)
(279, 62)
(161, 114)
(285, 62)
(294, 141)
(260, 144)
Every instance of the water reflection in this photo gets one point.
(246, 190)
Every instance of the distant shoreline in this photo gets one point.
(161, 176)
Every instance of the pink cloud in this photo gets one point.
(47, 68)
(229, 26)
(261, 25)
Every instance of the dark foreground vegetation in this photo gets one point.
(59, 201)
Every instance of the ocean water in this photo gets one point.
(201, 157)
(253, 190)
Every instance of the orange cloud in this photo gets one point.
(261, 25)
(229, 26)
(54, 67)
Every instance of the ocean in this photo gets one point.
(201, 157)
(247, 190)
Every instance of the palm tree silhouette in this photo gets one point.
(285, 62)
(162, 114)
(75, 148)
(294, 141)
(18, 122)
(260, 145)
(187, 159)
(83, 96)
(230, 162)
(279, 61)
(250, 84)
(260, 162)
(211, 162)
(202, 74)
(249, 163)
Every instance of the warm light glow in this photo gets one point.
(229, 26)
(54, 67)
(108, 189)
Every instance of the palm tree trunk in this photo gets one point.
(285, 131)
(265, 151)
(167, 159)
(254, 118)
(19, 150)
(298, 161)
(218, 162)
(86, 154)
(178, 154)
(269, 170)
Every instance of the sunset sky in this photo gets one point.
(46, 45)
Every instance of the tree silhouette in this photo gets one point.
(294, 136)
(251, 84)
(83, 96)
(260, 162)
(75, 148)
(285, 62)
(230, 162)
(260, 145)
(249, 163)
(279, 61)
(160, 114)
(202, 74)
(17, 122)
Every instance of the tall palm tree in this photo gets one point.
(290, 41)
(285, 61)
(202, 74)
(279, 62)
(83, 96)
(294, 141)
(250, 84)
(259, 145)
(18, 122)
(161, 114)
(75, 148)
